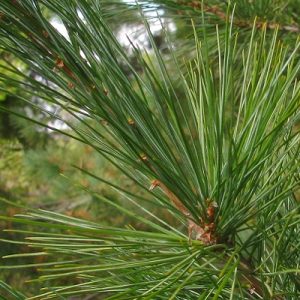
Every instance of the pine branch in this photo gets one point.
(217, 138)
(242, 23)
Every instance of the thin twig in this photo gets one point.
(217, 11)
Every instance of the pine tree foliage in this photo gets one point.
(212, 138)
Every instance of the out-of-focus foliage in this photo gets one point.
(48, 179)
